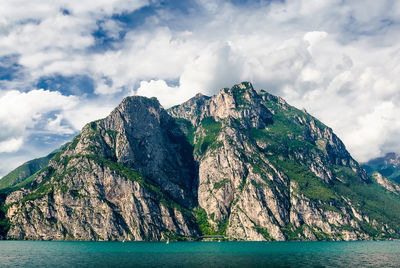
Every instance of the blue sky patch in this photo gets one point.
(9, 67)
(68, 85)
(65, 12)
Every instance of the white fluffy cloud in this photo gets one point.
(53, 37)
(87, 112)
(338, 59)
(15, 11)
(23, 114)
(159, 88)
(11, 145)
(22, 111)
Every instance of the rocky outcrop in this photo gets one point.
(387, 184)
(241, 102)
(241, 164)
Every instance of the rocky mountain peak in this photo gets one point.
(242, 94)
(239, 102)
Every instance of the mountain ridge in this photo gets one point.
(243, 164)
(27, 169)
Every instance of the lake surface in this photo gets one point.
(199, 254)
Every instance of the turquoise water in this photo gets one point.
(199, 254)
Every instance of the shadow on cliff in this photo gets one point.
(4, 221)
(189, 167)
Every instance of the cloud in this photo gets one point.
(159, 89)
(55, 37)
(21, 112)
(159, 53)
(57, 126)
(214, 68)
(375, 128)
(15, 11)
(11, 145)
(88, 112)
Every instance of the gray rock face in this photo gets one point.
(126, 177)
(141, 135)
(239, 102)
(242, 164)
(272, 170)
(99, 204)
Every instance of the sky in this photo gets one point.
(65, 63)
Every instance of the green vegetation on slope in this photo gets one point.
(221, 184)
(187, 128)
(202, 221)
(205, 227)
(238, 95)
(27, 169)
(205, 134)
(24, 171)
(41, 189)
(4, 221)
(371, 198)
(284, 141)
(286, 137)
(309, 184)
(209, 139)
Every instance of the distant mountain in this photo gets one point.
(385, 171)
(242, 164)
(388, 166)
(27, 169)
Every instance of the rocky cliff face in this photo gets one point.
(124, 177)
(242, 164)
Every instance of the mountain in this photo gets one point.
(388, 166)
(242, 164)
(27, 169)
(386, 171)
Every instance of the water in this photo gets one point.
(199, 254)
